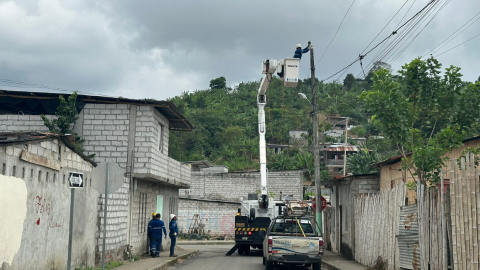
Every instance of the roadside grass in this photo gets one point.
(108, 266)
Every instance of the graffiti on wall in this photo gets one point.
(43, 207)
(216, 223)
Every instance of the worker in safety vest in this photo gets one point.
(155, 228)
(299, 51)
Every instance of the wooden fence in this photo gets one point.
(465, 212)
(376, 226)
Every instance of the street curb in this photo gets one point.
(205, 243)
(331, 266)
(171, 262)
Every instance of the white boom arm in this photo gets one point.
(288, 69)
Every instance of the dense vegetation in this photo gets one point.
(225, 119)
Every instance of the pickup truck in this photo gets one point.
(292, 241)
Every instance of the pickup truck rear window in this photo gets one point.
(291, 226)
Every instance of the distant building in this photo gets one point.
(334, 157)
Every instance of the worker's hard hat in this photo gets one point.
(298, 46)
(154, 214)
(172, 216)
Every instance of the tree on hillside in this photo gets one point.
(218, 83)
(349, 81)
(376, 66)
(423, 113)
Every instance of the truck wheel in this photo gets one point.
(316, 266)
(241, 250)
(247, 250)
(192, 237)
(268, 265)
(263, 260)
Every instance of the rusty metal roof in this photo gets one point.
(342, 149)
(14, 138)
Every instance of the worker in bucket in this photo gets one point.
(299, 51)
(155, 228)
(173, 228)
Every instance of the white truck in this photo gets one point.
(292, 240)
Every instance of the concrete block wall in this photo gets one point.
(218, 217)
(105, 131)
(117, 221)
(232, 186)
(141, 213)
(149, 157)
(45, 229)
(197, 186)
(13, 123)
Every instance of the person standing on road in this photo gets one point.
(155, 227)
(173, 233)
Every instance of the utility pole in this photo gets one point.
(316, 154)
(345, 149)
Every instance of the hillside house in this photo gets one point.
(392, 173)
(132, 133)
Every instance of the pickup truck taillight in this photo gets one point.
(320, 247)
(270, 241)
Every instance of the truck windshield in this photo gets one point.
(291, 226)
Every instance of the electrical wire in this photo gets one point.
(20, 84)
(432, 18)
(385, 39)
(384, 26)
(435, 49)
(382, 50)
(335, 33)
(458, 45)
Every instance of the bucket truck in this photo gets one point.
(256, 213)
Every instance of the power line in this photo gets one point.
(384, 26)
(458, 45)
(336, 33)
(433, 17)
(20, 84)
(434, 50)
(385, 39)
(396, 47)
(382, 50)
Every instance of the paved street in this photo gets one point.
(213, 257)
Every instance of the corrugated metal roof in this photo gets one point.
(408, 240)
(342, 149)
(47, 102)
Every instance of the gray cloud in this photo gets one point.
(160, 49)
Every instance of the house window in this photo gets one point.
(31, 175)
(173, 205)
(142, 213)
(59, 152)
(39, 175)
(160, 137)
(14, 172)
(23, 172)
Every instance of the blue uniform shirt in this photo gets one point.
(299, 52)
(173, 227)
(155, 227)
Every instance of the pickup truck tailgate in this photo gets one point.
(291, 245)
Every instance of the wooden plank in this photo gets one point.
(42, 161)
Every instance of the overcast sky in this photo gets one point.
(159, 49)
